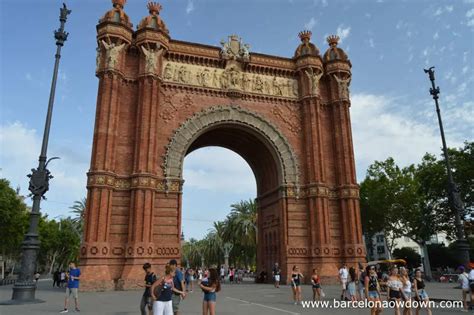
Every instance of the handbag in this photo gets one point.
(322, 293)
(158, 289)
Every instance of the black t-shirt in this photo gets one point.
(150, 278)
(276, 271)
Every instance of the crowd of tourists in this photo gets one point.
(366, 283)
(163, 295)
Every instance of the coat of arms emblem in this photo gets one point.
(235, 49)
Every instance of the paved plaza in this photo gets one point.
(233, 299)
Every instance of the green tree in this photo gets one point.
(13, 222)
(241, 231)
(431, 173)
(60, 243)
(410, 255)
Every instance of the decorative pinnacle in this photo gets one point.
(119, 3)
(154, 7)
(332, 40)
(305, 35)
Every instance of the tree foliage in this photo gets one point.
(239, 229)
(410, 255)
(13, 221)
(412, 201)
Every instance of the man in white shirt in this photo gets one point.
(343, 274)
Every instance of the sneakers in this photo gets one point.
(78, 310)
(64, 311)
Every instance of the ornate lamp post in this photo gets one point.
(455, 201)
(24, 288)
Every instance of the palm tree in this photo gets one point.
(79, 209)
(243, 222)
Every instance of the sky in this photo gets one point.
(389, 43)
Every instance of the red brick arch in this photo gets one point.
(160, 98)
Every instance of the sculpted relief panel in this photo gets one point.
(231, 78)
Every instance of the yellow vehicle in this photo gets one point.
(383, 267)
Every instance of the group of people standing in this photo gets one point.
(59, 278)
(235, 275)
(367, 284)
(163, 295)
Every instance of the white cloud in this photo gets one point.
(343, 32)
(310, 24)
(382, 129)
(449, 8)
(28, 76)
(371, 42)
(19, 151)
(190, 7)
(436, 36)
(218, 170)
(323, 3)
(470, 18)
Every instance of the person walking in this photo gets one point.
(146, 302)
(162, 292)
(72, 287)
(420, 293)
(276, 273)
(296, 277)
(471, 286)
(343, 274)
(192, 276)
(372, 290)
(210, 285)
(178, 280)
(361, 284)
(187, 278)
(407, 294)
(37, 276)
(316, 283)
(464, 281)
(62, 279)
(56, 278)
(231, 275)
(222, 274)
(394, 288)
(351, 285)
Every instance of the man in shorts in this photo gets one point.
(72, 287)
(146, 302)
(276, 272)
(343, 274)
(178, 282)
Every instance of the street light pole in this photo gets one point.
(25, 287)
(455, 202)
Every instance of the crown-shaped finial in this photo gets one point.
(154, 7)
(305, 35)
(332, 40)
(119, 3)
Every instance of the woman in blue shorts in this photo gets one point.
(372, 290)
(420, 292)
(210, 285)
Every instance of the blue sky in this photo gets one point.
(388, 42)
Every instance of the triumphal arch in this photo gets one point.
(160, 98)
